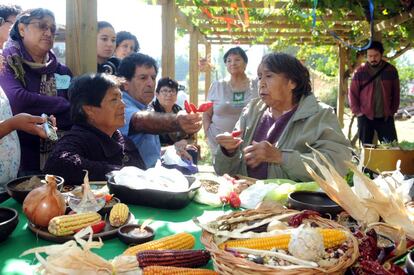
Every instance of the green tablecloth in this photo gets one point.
(166, 222)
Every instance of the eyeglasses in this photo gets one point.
(44, 27)
(166, 91)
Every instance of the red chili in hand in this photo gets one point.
(193, 108)
(236, 133)
(205, 106)
(187, 106)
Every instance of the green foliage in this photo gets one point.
(329, 97)
(406, 74)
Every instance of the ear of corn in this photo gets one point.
(331, 238)
(178, 258)
(67, 224)
(177, 241)
(170, 270)
(119, 214)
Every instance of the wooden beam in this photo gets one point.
(269, 25)
(395, 21)
(400, 52)
(254, 39)
(270, 34)
(342, 87)
(81, 32)
(249, 4)
(193, 67)
(184, 22)
(267, 42)
(207, 76)
(168, 39)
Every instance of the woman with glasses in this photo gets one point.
(165, 102)
(34, 81)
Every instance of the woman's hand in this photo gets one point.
(260, 152)
(228, 142)
(181, 149)
(27, 123)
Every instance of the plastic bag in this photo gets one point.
(213, 199)
(170, 159)
(254, 194)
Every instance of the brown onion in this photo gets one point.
(44, 203)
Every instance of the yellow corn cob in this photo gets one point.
(170, 270)
(119, 214)
(67, 224)
(331, 238)
(177, 241)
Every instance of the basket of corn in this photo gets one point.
(278, 241)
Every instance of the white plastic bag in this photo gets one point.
(254, 194)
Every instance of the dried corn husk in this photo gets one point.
(69, 258)
(339, 191)
(391, 206)
(396, 234)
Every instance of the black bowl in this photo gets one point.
(3, 195)
(9, 218)
(128, 239)
(317, 201)
(20, 195)
(409, 263)
(153, 197)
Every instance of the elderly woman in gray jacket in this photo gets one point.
(276, 127)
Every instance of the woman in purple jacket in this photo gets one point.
(34, 81)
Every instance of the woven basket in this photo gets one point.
(225, 263)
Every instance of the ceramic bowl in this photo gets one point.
(9, 218)
(17, 192)
(125, 234)
(317, 201)
(108, 206)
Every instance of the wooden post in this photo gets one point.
(168, 39)
(193, 67)
(341, 86)
(81, 26)
(207, 78)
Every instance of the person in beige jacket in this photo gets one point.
(277, 127)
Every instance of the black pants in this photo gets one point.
(384, 127)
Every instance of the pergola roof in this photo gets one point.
(291, 22)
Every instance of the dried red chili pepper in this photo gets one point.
(373, 267)
(193, 108)
(187, 106)
(205, 106)
(236, 133)
(234, 200)
(96, 228)
(396, 270)
(297, 219)
(108, 197)
(368, 249)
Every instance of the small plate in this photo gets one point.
(108, 233)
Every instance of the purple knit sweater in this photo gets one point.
(27, 99)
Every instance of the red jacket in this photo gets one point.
(361, 102)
